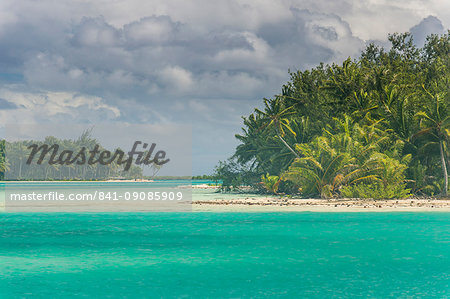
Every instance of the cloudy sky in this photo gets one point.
(202, 63)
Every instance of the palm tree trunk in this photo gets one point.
(287, 145)
(444, 169)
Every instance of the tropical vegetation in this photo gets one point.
(373, 127)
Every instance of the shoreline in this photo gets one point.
(321, 205)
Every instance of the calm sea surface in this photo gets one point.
(198, 255)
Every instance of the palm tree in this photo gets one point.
(251, 140)
(275, 117)
(435, 124)
(329, 162)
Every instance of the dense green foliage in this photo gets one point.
(377, 126)
(270, 183)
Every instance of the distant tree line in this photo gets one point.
(14, 157)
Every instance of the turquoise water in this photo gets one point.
(121, 188)
(75, 184)
(198, 255)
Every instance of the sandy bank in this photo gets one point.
(321, 205)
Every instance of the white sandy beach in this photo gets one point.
(207, 200)
(321, 205)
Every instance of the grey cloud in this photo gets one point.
(308, 38)
(151, 31)
(95, 32)
(139, 58)
(103, 58)
(6, 105)
(327, 33)
(21, 40)
(429, 25)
